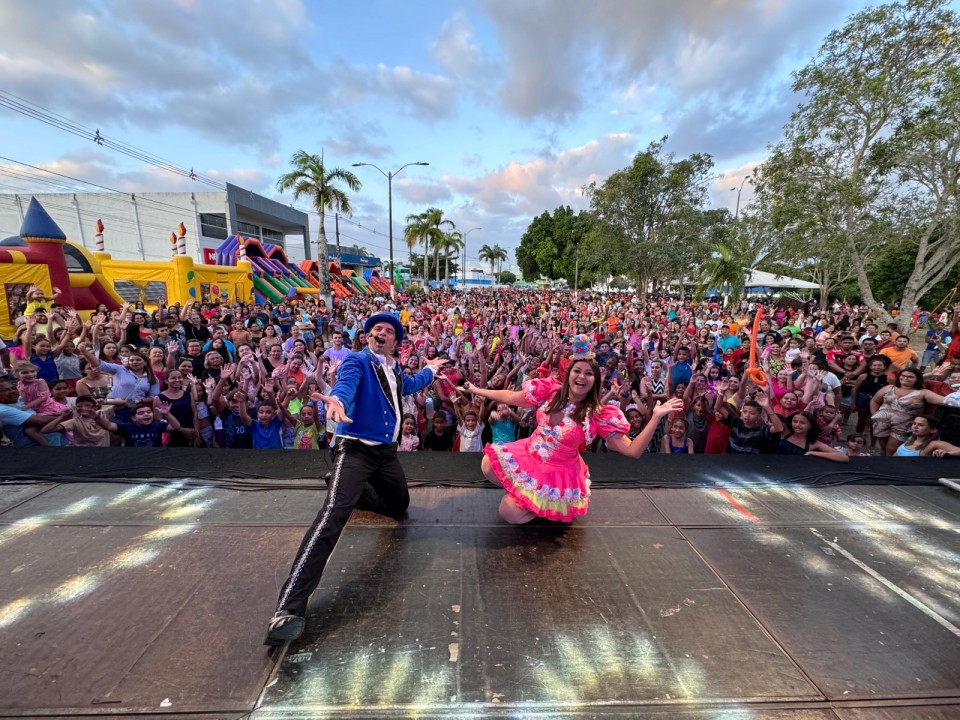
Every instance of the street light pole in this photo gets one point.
(390, 176)
(465, 253)
(739, 190)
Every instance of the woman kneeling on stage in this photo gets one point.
(544, 475)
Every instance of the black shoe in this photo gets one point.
(283, 628)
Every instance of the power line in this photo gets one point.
(32, 110)
(48, 117)
(190, 211)
(35, 111)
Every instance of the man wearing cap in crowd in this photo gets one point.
(366, 404)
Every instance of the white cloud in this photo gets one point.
(230, 75)
(544, 183)
(357, 140)
(425, 96)
(457, 52)
(157, 65)
(700, 47)
(422, 193)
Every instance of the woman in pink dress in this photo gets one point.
(543, 475)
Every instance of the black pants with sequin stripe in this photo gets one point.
(368, 476)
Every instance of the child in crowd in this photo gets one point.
(829, 420)
(306, 433)
(34, 393)
(409, 440)
(676, 441)
(80, 424)
(234, 418)
(60, 392)
(636, 420)
(37, 300)
(150, 420)
(855, 446)
(503, 424)
(272, 417)
(469, 428)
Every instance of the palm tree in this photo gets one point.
(312, 179)
(452, 243)
(490, 255)
(427, 227)
(734, 255)
(500, 255)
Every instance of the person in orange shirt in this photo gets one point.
(900, 354)
(613, 324)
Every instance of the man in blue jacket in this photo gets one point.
(365, 404)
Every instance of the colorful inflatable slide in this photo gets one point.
(344, 283)
(273, 277)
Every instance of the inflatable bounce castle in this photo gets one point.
(42, 256)
(245, 270)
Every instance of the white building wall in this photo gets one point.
(159, 214)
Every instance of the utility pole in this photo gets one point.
(390, 176)
(336, 220)
(576, 272)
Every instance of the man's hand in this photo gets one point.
(334, 407)
(436, 363)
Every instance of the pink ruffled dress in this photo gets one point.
(544, 473)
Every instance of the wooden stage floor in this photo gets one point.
(779, 603)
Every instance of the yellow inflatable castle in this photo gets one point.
(42, 256)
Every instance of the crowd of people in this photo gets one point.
(837, 384)
(529, 380)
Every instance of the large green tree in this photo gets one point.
(801, 214)
(889, 270)
(550, 245)
(312, 179)
(876, 143)
(691, 239)
(643, 212)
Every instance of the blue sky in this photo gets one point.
(515, 104)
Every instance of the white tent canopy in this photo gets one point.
(758, 278)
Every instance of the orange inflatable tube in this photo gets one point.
(756, 375)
